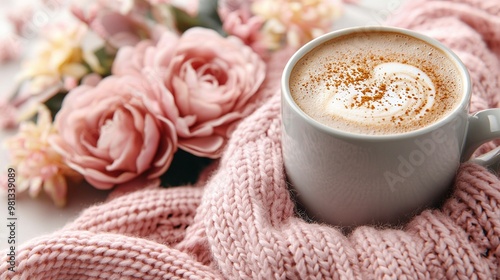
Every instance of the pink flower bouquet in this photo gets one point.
(119, 91)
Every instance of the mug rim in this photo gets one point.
(462, 105)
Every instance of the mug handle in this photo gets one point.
(484, 126)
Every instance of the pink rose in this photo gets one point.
(238, 20)
(117, 28)
(203, 83)
(108, 135)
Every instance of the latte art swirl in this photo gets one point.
(395, 92)
(376, 83)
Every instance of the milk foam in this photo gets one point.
(396, 91)
(376, 83)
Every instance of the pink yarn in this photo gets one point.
(240, 223)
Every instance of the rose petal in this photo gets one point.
(151, 139)
(204, 147)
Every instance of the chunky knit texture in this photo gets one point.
(239, 221)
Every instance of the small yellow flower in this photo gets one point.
(295, 22)
(59, 55)
(38, 165)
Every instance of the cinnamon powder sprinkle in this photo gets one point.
(355, 73)
(338, 66)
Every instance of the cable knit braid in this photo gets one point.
(241, 223)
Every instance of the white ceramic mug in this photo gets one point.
(348, 179)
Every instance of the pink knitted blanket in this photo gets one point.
(239, 222)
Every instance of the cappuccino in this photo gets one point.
(376, 83)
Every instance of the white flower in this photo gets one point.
(58, 55)
(295, 22)
(37, 165)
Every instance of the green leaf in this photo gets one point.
(105, 59)
(54, 103)
(207, 17)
